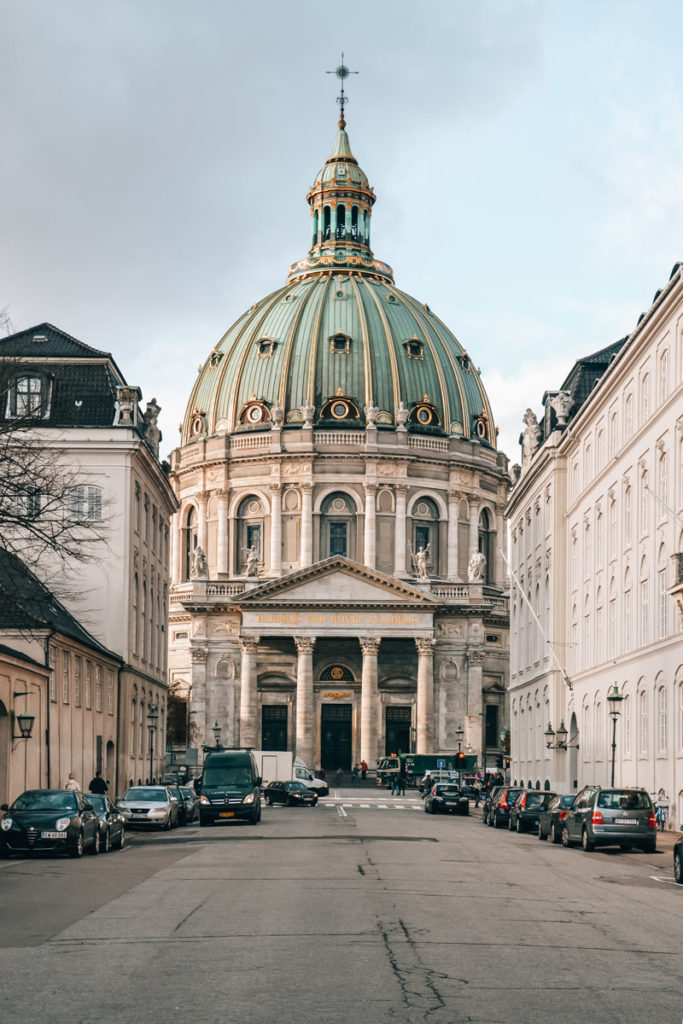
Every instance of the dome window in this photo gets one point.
(424, 413)
(340, 408)
(414, 348)
(392, 299)
(254, 413)
(214, 359)
(340, 294)
(196, 423)
(340, 343)
(265, 347)
(481, 426)
(465, 361)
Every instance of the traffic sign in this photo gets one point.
(441, 762)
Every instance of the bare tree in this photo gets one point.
(49, 516)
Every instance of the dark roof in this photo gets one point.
(26, 604)
(19, 655)
(82, 393)
(581, 380)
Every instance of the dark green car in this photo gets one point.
(50, 821)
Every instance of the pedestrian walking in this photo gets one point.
(354, 775)
(340, 776)
(396, 785)
(476, 786)
(402, 780)
(72, 784)
(363, 770)
(98, 785)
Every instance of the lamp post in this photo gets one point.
(459, 732)
(152, 717)
(216, 730)
(614, 699)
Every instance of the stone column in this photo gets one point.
(306, 525)
(305, 738)
(201, 499)
(425, 695)
(198, 702)
(474, 527)
(248, 692)
(222, 547)
(370, 525)
(453, 506)
(474, 734)
(368, 701)
(275, 529)
(176, 534)
(400, 531)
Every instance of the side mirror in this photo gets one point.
(259, 781)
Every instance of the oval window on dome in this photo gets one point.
(424, 415)
(340, 410)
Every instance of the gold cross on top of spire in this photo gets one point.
(342, 72)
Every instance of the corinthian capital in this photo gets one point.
(199, 654)
(425, 644)
(369, 645)
(249, 644)
(304, 644)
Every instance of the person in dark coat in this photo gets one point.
(98, 785)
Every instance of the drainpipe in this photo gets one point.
(47, 703)
(118, 732)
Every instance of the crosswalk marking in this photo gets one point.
(341, 807)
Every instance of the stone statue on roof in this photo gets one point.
(531, 436)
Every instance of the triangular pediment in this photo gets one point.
(337, 581)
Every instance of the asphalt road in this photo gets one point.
(360, 914)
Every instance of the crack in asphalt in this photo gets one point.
(416, 981)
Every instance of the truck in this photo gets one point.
(282, 765)
(415, 765)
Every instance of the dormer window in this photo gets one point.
(265, 347)
(424, 413)
(340, 408)
(196, 423)
(414, 348)
(28, 397)
(340, 343)
(215, 358)
(254, 413)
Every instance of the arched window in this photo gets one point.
(136, 599)
(133, 718)
(628, 516)
(599, 627)
(341, 221)
(613, 435)
(599, 538)
(190, 540)
(600, 450)
(645, 398)
(587, 739)
(643, 503)
(425, 530)
(338, 526)
(250, 532)
(150, 647)
(587, 465)
(354, 223)
(628, 613)
(598, 742)
(315, 227)
(326, 223)
(487, 543)
(612, 628)
(662, 720)
(144, 620)
(644, 603)
(664, 375)
(626, 722)
(628, 417)
(643, 720)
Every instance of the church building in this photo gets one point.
(338, 587)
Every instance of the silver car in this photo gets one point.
(611, 817)
(149, 805)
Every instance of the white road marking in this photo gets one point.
(658, 878)
(342, 812)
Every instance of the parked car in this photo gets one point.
(176, 792)
(678, 861)
(294, 794)
(50, 820)
(611, 817)
(446, 798)
(487, 802)
(499, 811)
(191, 801)
(439, 775)
(149, 805)
(230, 787)
(524, 813)
(551, 817)
(112, 822)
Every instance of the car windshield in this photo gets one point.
(295, 785)
(239, 775)
(567, 799)
(448, 790)
(536, 799)
(146, 795)
(187, 793)
(623, 800)
(45, 800)
(97, 802)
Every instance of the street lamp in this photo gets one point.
(216, 730)
(459, 732)
(614, 699)
(152, 717)
(24, 720)
(556, 740)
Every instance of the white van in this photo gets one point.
(305, 775)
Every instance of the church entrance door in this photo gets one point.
(273, 727)
(335, 733)
(398, 730)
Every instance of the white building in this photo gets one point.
(596, 516)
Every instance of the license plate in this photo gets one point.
(53, 835)
(138, 815)
(227, 814)
(625, 821)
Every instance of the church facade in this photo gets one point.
(338, 587)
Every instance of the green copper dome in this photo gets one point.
(339, 339)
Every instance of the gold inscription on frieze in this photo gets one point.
(336, 619)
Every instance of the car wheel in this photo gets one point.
(678, 867)
(106, 845)
(77, 849)
(511, 827)
(541, 834)
(650, 846)
(519, 825)
(253, 818)
(494, 822)
(565, 837)
(269, 801)
(167, 825)
(586, 842)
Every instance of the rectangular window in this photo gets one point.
(644, 724)
(628, 517)
(51, 656)
(86, 502)
(77, 681)
(338, 539)
(628, 621)
(28, 396)
(612, 529)
(627, 725)
(88, 684)
(98, 687)
(254, 538)
(66, 673)
(613, 628)
(662, 606)
(110, 691)
(645, 612)
(644, 500)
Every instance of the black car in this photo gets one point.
(551, 818)
(191, 801)
(112, 822)
(290, 793)
(176, 792)
(487, 802)
(50, 820)
(611, 817)
(678, 861)
(446, 798)
(524, 813)
(499, 811)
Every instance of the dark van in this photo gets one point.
(230, 787)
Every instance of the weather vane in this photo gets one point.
(342, 72)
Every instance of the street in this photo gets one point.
(363, 909)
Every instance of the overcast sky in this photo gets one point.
(527, 158)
